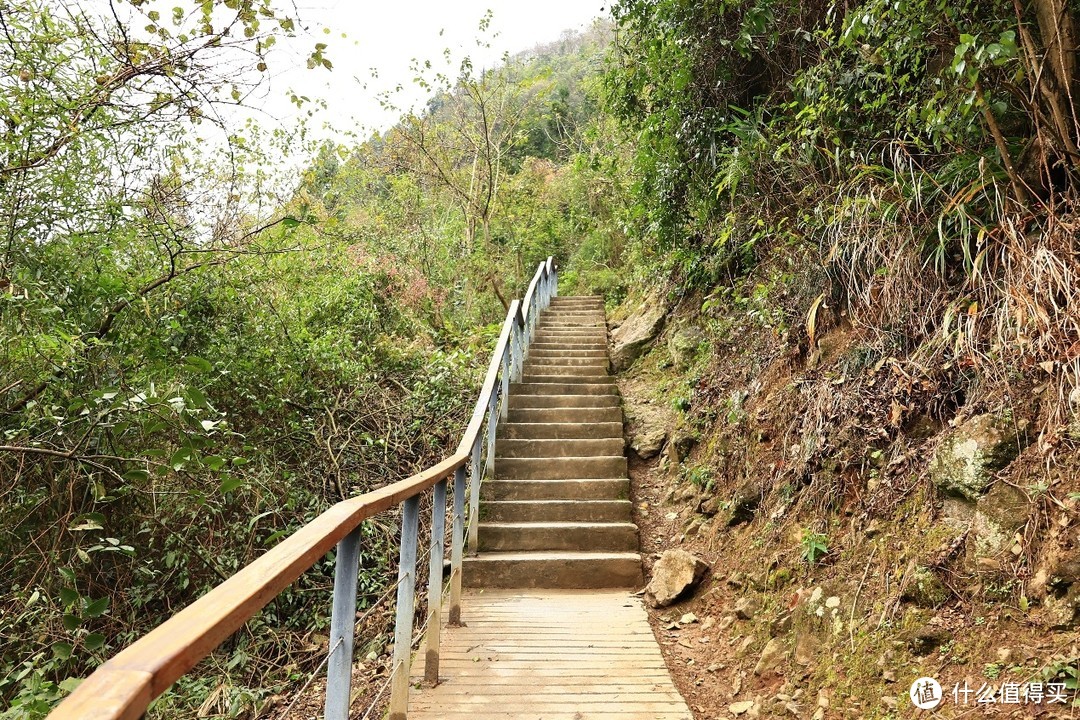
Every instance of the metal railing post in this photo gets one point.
(492, 422)
(457, 542)
(399, 684)
(474, 498)
(515, 348)
(435, 584)
(506, 372)
(342, 627)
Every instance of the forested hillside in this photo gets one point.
(837, 242)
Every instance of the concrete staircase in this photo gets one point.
(556, 514)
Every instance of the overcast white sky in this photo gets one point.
(387, 35)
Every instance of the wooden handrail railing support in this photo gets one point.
(435, 583)
(403, 621)
(342, 627)
(457, 543)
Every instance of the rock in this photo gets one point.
(967, 458)
(688, 619)
(806, 648)
(1062, 612)
(1066, 571)
(678, 448)
(1004, 655)
(649, 430)
(675, 574)
(957, 513)
(889, 701)
(630, 339)
(998, 516)
(684, 344)
(927, 639)
(772, 656)
(925, 589)
(745, 503)
(781, 625)
(746, 608)
(741, 707)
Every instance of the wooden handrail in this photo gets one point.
(472, 430)
(123, 687)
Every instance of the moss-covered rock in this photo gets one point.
(968, 457)
(926, 589)
(684, 344)
(998, 516)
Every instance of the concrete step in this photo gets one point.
(588, 313)
(564, 401)
(563, 330)
(565, 415)
(590, 345)
(590, 362)
(552, 388)
(572, 489)
(556, 511)
(560, 377)
(557, 447)
(560, 468)
(553, 570)
(577, 371)
(599, 353)
(518, 536)
(577, 299)
(560, 431)
(569, 325)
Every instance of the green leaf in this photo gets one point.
(69, 684)
(137, 475)
(290, 222)
(62, 650)
(93, 641)
(215, 462)
(198, 364)
(230, 483)
(68, 596)
(71, 622)
(195, 397)
(180, 459)
(97, 608)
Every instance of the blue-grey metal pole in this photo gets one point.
(492, 422)
(505, 372)
(434, 587)
(518, 360)
(457, 543)
(342, 628)
(474, 498)
(403, 622)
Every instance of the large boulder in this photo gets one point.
(630, 339)
(674, 575)
(965, 462)
(648, 429)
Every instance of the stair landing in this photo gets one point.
(550, 655)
